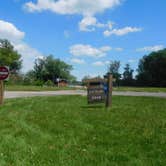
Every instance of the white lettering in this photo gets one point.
(3, 73)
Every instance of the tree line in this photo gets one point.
(46, 70)
(151, 69)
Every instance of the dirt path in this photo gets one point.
(19, 94)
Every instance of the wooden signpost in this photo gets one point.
(4, 74)
(100, 90)
(1, 92)
(109, 93)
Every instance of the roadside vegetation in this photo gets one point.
(66, 131)
(47, 70)
(139, 89)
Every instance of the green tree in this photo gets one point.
(39, 70)
(9, 57)
(29, 78)
(114, 70)
(152, 69)
(128, 76)
(50, 69)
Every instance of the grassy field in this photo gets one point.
(140, 89)
(65, 131)
(45, 88)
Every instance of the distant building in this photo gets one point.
(61, 83)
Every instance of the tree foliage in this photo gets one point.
(114, 70)
(152, 69)
(128, 76)
(9, 57)
(50, 69)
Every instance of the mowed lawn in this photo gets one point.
(50, 131)
(140, 89)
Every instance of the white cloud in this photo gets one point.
(83, 7)
(110, 24)
(122, 31)
(132, 60)
(107, 33)
(9, 31)
(105, 48)
(150, 48)
(88, 50)
(29, 55)
(89, 23)
(77, 61)
(86, 23)
(98, 63)
(107, 62)
(87, 8)
(119, 49)
(101, 63)
(13, 34)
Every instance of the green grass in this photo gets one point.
(140, 89)
(65, 131)
(35, 88)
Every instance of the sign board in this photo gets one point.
(96, 92)
(4, 73)
(100, 90)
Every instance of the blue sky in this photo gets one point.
(87, 34)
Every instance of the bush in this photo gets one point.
(49, 83)
(38, 83)
(15, 79)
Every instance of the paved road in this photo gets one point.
(20, 94)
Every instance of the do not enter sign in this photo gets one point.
(4, 73)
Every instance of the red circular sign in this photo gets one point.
(4, 73)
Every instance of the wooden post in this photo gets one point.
(109, 94)
(1, 92)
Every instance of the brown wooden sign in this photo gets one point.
(100, 90)
(96, 95)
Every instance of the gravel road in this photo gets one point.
(20, 94)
